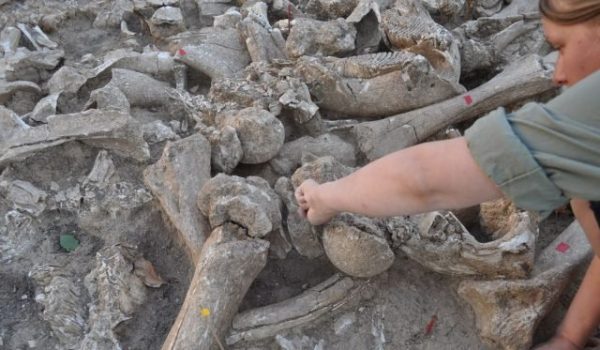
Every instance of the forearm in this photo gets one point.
(430, 176)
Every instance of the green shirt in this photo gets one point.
(544, 154)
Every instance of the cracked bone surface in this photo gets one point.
(409, 27)
(228, 264)
(264, 43)
(318, 38)
(267, 321)
(508, 311)
(214, 51)
(95, 127)
(443, 244)
(176, 180)
(523, 79)
(398, 81)
(249, 202)
(140, 89)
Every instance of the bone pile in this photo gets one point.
(199, 118)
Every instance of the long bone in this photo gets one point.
(522, 80)
(509, 311)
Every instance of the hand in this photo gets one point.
(558, 343)
(312, 206)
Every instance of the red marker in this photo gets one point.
(182, 52)
(468, 99)
(562, 247)
(430, 325)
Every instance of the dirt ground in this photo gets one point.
(407, 307)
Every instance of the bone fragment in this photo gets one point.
(447, 9)
(290, 156)
(264, 43)
(109, 97)
(398, 81)
(214, 51)
(8, 89)
(524, 79)
(9, 124)
(9, 40)
(102, 172)
(157, 131)
(228, 264)
(249, 202)
(166, 21)
(366, 17)
(303, 238)
(176, 180)
(260, 133)
(442, 244)
(155, 63)
(409, 27)
(508, 312)
(45, 108)
(267, 321)
(226, 148)
(98, 128)
(298, 105)
(32, 66)
(26, 197)
(66, 79)
(318, 38)
(330, 9)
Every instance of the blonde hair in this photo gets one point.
(570, 11)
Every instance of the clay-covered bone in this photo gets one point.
(115, 291)
(264, 42)
(508, 312)
(260, 133)
(97, 128)
(409, 27)
(226, 148)
(290, 155)
(267, 321)
(166, 21)
(26, 197)
(8, 89)
(140, 89)
(357, 246)
(176, 180)
(228, 264)
(524, 79)
(9, 124)
(321, 169)
(318, 38)
(214, 51)
(443, 244)
(330, 9)
(303, 238)
(398, 81)
(249, 202)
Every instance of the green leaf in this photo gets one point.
(69, 242)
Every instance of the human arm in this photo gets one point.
(426, 177)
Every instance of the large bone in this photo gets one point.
(8, 89)
(522, 80)
(109, 129)
(267, 321)
(509, 311)
(176, 180)
(228, 264)
(442, 244)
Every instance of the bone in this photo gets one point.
(227, 266)
(26, 197)
(140, 89)
(166, 21)
(260, 133)
(356, 246)
(176, 180)
(215, 52)
(303, 238)
(33, 66)
(397, 81)
(264, 43)
(522, 80)
(109, 97)
(366, 18)
(66, 80)
(442, 244)
(9, 123)
(249, 202)
(409, 27)
(9, 40)
(290, 156)
(318, 38)
(98, 128)
(330, 9)
(447, 9)
(45, 108)
(103, 170)
(8, 89)
(316, 302)
(155, 63)
(226, 148)
(508, 312)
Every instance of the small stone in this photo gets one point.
(32, 344)
(24, 297)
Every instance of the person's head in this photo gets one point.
(573, 28)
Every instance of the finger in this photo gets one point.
(303, 212)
